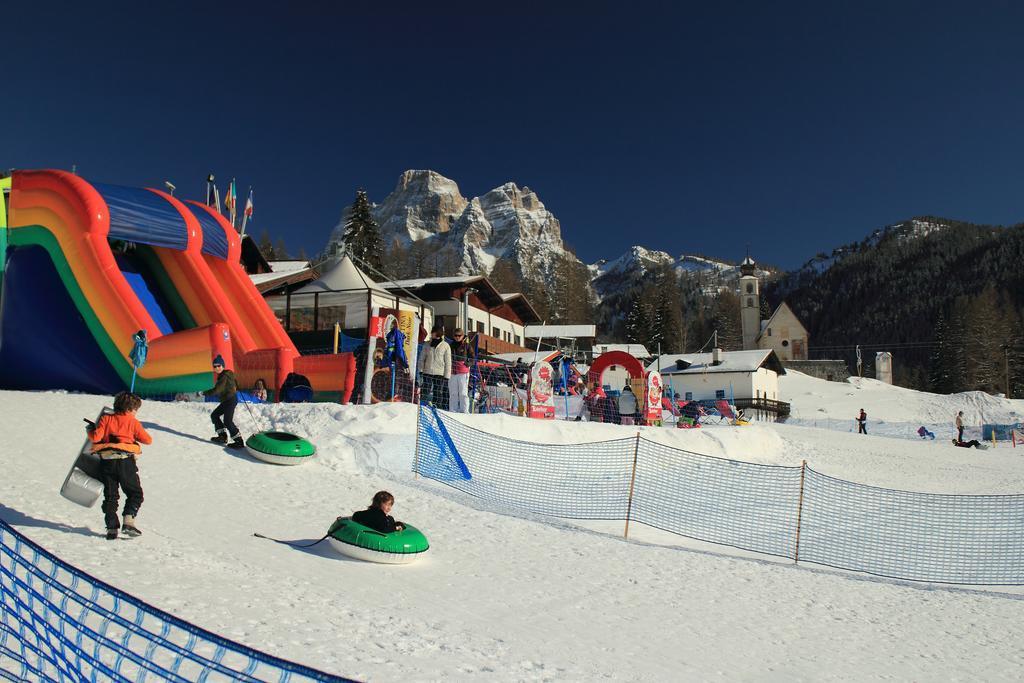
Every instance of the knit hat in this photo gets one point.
(219, 360)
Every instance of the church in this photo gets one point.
(783, 332)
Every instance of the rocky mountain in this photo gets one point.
(508, 223)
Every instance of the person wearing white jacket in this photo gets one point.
(435, 369)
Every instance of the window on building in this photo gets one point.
(785, 342)
(481, 328)
(519, 342)
(689, 396)
(769, 331)
(496, 333)
(750, 288)
(719, 393)
(750, 302)
(469, 325)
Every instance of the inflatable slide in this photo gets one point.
(86, 265)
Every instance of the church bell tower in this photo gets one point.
(750, 303)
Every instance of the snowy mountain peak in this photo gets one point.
(507, 222)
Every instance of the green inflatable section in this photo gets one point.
(408, 541)
(281, 443)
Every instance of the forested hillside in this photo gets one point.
(945, 297)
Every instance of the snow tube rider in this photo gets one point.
(226, 389)
(373, 535)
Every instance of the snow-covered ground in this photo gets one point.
(892, 411)
(506, 596)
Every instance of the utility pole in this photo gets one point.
(1006, 365)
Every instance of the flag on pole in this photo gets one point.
(231, 201)
(210, 188)
(216, 198)
(247, 211)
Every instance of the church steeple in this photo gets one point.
(748, 266)
(750, 303)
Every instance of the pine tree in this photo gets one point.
(637, 321)
(280, 250)
(362, 236)
(726, 320)
(938, 372)
(668, 321)
(265, 246)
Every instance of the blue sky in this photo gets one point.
(791, 127)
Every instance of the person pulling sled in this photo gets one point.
(226, 389)
(116, 440)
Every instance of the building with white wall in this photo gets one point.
(472, 303)
(730, 375)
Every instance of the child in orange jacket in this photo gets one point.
(116, 440)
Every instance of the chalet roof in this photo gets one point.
(562, 331)
(635, 350)
(732, 361)
(343, 276)
(442, 288)
(522, 306)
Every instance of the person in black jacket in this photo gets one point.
(226, 389)
(376, 516)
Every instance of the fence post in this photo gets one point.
(800, 511)
(416, 453)
(632, 480)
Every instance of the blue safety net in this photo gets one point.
(139, 215)
(790, 512)
(940, 538)
(215, 242)
(57, 623)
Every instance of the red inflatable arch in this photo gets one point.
(633, 366)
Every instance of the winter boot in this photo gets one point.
(128, 526)
(237, 443)
(221, 438)
(111, 534)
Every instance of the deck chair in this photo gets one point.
(725, 411)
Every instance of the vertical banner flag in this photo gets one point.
(540, 397)
(247, 211)
(655, 389)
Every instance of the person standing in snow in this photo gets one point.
(116, 440)
(458, 384)
(627, 405)
(862, 422)
(435, 368)
(226, 389)
(960, 426)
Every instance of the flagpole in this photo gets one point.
(234, 203)
(245, 211)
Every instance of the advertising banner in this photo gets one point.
(655, 389)
(541, 392)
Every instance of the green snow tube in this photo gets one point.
(363, 543)
(280, 448)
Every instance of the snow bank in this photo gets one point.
(500, 596)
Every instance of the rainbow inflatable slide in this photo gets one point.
(84, 266)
